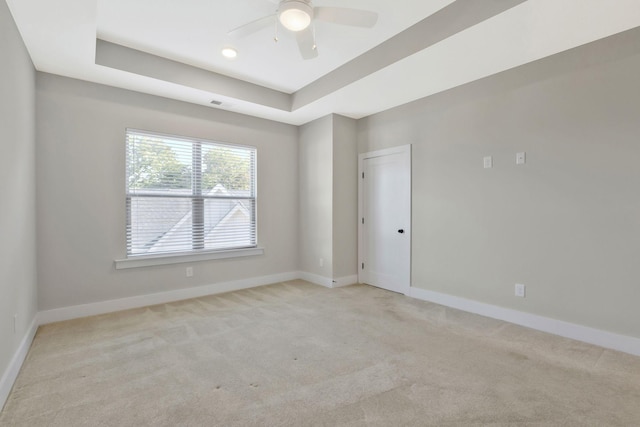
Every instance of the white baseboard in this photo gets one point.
(110, 306)
(92, 309)
(316, 279)
(11, 373)
(345, 281)
(574, 331)
(328, 282)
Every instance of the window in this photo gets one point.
(188, 196)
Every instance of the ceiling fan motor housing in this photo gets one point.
(295, 15)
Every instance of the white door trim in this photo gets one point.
(403, 149)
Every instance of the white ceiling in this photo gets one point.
(399, 64)
(194, 32)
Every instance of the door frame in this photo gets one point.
(403, 149)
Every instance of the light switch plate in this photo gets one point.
(488, 162)
(521, 158)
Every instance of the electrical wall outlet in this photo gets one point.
(520, 290)
(321, 262)
(189, 271)
(521, 158)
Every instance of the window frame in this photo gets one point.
(198, 251)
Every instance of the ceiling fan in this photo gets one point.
(298, 16)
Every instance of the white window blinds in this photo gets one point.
(186, 195)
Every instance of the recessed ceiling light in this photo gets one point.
(229, 52)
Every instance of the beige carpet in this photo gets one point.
(298, 354)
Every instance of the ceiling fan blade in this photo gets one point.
(345, 16)
(306, 43)
(252, 27)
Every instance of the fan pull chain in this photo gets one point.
(275, 32)
(313, 30)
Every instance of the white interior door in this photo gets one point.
(384, 239)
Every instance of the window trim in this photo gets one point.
(144, 260)
(183, 257)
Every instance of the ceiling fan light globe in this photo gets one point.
(295, 15)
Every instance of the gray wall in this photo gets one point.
(345, 197)
(328, 228)
(566, 224)
(81, 202)
(17, 189)
(316, 196)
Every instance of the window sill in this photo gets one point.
(148, 261)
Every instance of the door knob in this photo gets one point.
(401, 231)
